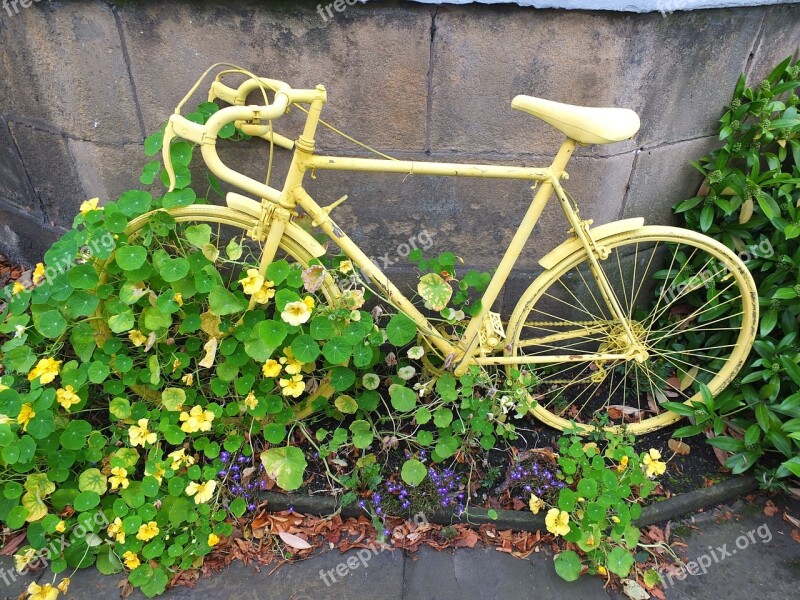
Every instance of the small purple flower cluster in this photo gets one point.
(535, 480)
(238, 484)
(449, 487)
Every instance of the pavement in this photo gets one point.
(734, 551)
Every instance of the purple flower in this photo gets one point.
(224, 456)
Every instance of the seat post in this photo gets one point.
(562, 158)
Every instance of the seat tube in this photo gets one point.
(471, 338)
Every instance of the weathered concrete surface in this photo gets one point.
(84, 81)
(52, 172)
(62, 63)
(23, 236)
(663, 176)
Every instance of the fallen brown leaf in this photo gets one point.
(679, 447)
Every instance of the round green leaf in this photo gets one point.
(619, 561)
(92, 480)
(86, 501)
(83, 277)
(305, 348)
(346, 404)
(401, 330)
(403, 398)
(50, 324)
(286, 465)
(568, 565)
(435, 291)
(413, 472)
(130, 258)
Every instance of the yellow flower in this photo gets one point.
(63, 586)
(202, 492)
(147, 531)
(213, 539)
(296, 313)
(271, 368)
(131, 560)
(623, 464)
(18, 288)
(293, 387)
(115, 530)
(179, 458)
(196, 419)
(158, 473)
(253, 283)
(119, 478)
(345, 266)
(536, 504)
(89, 205)
(141, 435)
(615, 518)
(137, 337)
(67, 397)
(42, 592)
(653, 464)
(188, 379)
(178, 298)
(61, 527)
(292, 365)
(38, 273)
(47, 369)
(26, 413)
(309, 302)
(251, 402)
(23, 560)
(602, 570)
(266, 293)
(557, 521)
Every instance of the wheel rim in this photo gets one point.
(705, 298)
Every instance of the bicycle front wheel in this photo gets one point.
(227, 231)
(689, 301)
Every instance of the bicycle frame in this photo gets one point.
(278, 208)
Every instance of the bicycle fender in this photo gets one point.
(294, 231)
(598, 233)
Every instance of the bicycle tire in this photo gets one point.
(542, 291)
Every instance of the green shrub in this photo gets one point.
(750, 201)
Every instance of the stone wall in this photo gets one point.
(84, 82)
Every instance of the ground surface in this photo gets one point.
(763, 562)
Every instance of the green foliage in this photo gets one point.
(750, 203)
(606, 483)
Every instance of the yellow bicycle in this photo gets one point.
(623, 317)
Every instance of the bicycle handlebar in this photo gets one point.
(251, 116)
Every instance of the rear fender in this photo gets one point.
(572, 245)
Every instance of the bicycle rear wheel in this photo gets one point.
(690, 302)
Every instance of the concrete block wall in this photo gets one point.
(83, 83)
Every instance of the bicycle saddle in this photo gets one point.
(586, 125)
